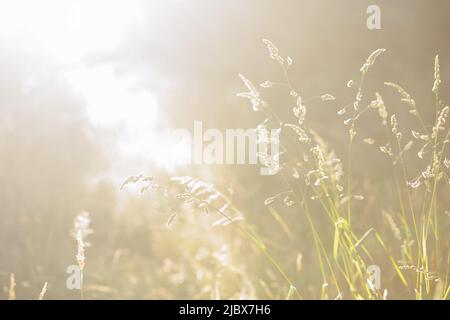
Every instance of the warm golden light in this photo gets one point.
(256, 149)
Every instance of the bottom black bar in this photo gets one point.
(211, 309)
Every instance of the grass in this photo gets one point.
(317, 236)
(344, 262)
(422, 268)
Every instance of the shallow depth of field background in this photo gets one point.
(89, 93)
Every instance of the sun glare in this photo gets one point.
(67, 31)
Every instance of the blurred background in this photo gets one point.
(91, 90)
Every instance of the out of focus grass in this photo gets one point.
(321, 223)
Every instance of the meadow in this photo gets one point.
(359, 207)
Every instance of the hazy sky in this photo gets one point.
(62, 40)
(132, 67)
